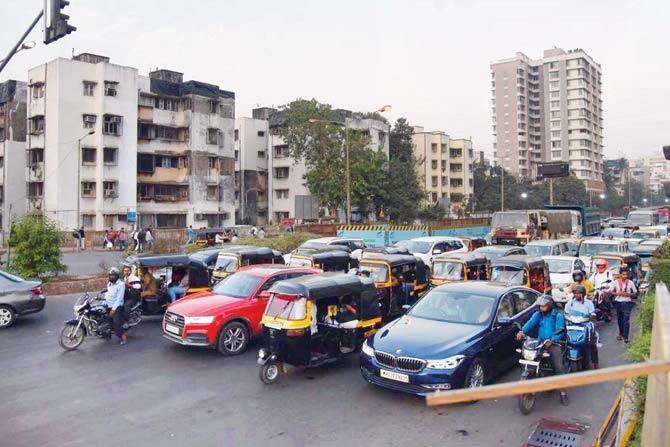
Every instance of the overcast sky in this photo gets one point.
(428, 59)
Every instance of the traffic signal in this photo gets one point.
(666, 152)
(56, 22)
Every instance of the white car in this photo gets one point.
(355, 245)
(427, 247)
(561, 269)
(590, 247)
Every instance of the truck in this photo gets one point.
(585, 220)
(519, 227)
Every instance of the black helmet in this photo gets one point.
(624, 269)
(577, 276)
(580, 289)
(545, 300)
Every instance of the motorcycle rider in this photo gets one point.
(579, 306)
(132, 294)
(601, 277)
(579, 278)
(550, 325)
(114, 302)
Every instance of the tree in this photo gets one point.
(487, 191)
(36, 243)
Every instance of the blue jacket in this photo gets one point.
(551, 327)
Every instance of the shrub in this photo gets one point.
(35, 241)
(284, 243)
(661, 271)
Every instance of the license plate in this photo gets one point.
(394, 376)
(171, 328)
(529, 362)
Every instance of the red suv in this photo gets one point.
(230, 315)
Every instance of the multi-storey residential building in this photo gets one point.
(651, 173)
(446, 167)
(185, 152)
(252, 138)
(82, 141)
(103, 141)
(619, 171)
(13, 96)
(549, 110)
(289, 198)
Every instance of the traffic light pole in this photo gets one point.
(14, 50)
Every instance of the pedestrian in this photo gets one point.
(141, 235)
(149, 237)
(624, 292)
(261, 233)
(235, 237)
(191, 235)
(105, 239)
(122, 237)
(112, 235)
(82, 238)
(254, 231)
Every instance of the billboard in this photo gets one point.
(553, 170)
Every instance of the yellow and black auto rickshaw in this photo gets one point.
(327, 260)
(158, 271)
(400, 280)
(207, 237)
(231, 258)
(459, 267)
(316, 319)
(522, 270)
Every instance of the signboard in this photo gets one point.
(132, 216)
(306, 208)
(553, 170)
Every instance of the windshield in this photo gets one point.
(642, 236)
(313, 244)
(508, 275)
(448, 270)
(378, 273)
(239, 285)
(538, 250)
(614, 232)
(559, 265)
(511, 220)
(418, 247)
(226, 263)
(454, 307)
(300, 262)
(285, 307)
(638, 219)
(587, 249)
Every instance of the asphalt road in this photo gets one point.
(152, 392)
(89, 262)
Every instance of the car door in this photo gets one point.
(501, 338)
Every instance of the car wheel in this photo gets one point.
(233, 339)
(7, 316)
(476, 375)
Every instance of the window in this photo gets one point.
(109, 155)
(433, 164)
(554, 84)
(89, 88)
(281, 151)
(227, 166)
(88, 156)
(433, 147)
(555, 144)
(167, 104)
(433, 181)
(213, 106)
(554, 104)
(212, 192)
(35, 189)
(523, 299)
(38, 90)
(88, 220)
(89, 121)
(37, 124)
(110, 189)
(261, 133)
(167, 133)
(281, 173)
(186, 103)
(112, 125)
(36, 156)
(237, 134)
(261, 154)
(88, 189)
(214, 136)
(213, 162)
(506, 307)
(111, 88)
(281, 193)
(553, 75)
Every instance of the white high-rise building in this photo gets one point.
(252, 136)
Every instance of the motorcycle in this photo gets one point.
(91, 319)
(602, 302)
(578, 340)
(536, 362)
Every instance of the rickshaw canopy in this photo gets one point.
(400, 260)
(151, 260)
(519, 261)
(468, 259)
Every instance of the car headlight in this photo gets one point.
(448, 363)
(198, 320)
(367, 350)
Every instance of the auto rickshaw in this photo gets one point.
(474, 243)
(646, 233)
(327, 260)
(459, 267)
(399, 279)
(207, 237)
(617, 260)
(645, 253)
(316, 319)
(371, 252)
(231, 258)
(522, 270)
(163, 268)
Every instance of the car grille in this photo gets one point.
(173, 318)
(403, 363)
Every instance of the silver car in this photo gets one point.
(18, 296)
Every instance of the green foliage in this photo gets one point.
(664, 251)
(35, 243)
(661, 271)
(432, 213)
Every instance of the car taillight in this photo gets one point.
(295, 332)
(37, 290)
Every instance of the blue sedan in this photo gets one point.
(458, 335)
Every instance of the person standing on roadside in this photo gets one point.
(112, 238)
(624, 292)
(122, 237)
(141, 238)
(149, 238)
(191, 235)
(82, 238)
(261, 233)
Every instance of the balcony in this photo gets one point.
(36, 172)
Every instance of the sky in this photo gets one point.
(429, 59)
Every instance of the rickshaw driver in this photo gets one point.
(347, 314)
(179, 285)
(149, 285)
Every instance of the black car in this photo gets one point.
(18, 296)
(459, 335)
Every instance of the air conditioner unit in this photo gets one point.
(111, 194)
(115, 119)
(199, 216)
(89, 119)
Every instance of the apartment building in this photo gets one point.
(82, 141)
(13, 109)
(289, 198)
(446, 167)
(185, 152)
(549, 110)
(651, 173)
(252, 138)
(619, 171)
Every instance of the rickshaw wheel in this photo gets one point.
(269, 373)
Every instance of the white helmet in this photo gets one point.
(134, 282)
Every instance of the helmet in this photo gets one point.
(577, 276)
(545, 300)
(114, 271)
(580, 289)
(624, 269)
(133, 278)
(601, 262)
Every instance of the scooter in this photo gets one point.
(578, 340)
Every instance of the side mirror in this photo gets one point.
(405, 308)
(264, 295)
(504, 321)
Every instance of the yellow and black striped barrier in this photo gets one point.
(409, 228)
(361, 228)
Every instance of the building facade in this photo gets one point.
(549, 110)
(619, 172)
(651, 172)
(252, 138)
(446, 167)
(13, 110)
